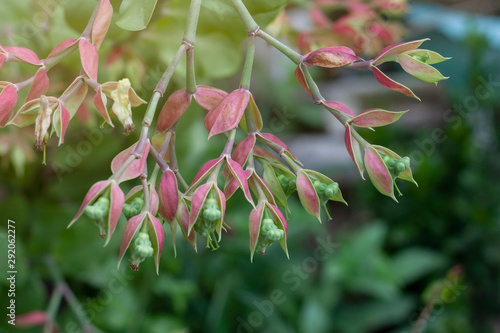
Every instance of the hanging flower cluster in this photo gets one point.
(199, 208)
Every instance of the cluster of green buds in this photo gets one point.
(269, 233)
(395, 165)
(134, 207)
(288, 184)
(99, 213)
(140, 250)
(206, 224)
(325, 191)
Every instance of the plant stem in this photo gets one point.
(53, 307)
(313, 87)
(190, 72)
(90, 24)
(73, 302)
(251, 26)
(289, 52)
(253, 29)
(175, 167)
(147, 198)
(192, 21)
(247, 68)
(230, 142)
(159, 159)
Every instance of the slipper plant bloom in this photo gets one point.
(103, 204)
(143, 237)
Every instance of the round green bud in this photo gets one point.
(144, 251)
(211, 214)
(331, 190)
(130, 210)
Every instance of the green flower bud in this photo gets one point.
(331, 190)
(99, 210)
(134, 207)
(423, 58)
(287, 184)
(141, 249)
(269, 233)
(211, 214)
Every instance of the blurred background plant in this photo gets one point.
(427, 264)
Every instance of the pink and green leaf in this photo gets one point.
(175, 106)
(101, 22)
(244, 149)
(420, 70)
(157, 237)
(76, 97)
(307, 195)
(22, 54)
(240, 176)
(183, 220)
(226, 115)
(205, 171)
(280, 222)
(197, 203)
(89, 58)
(100, 101)
(256, 116)
(117, 199)
(331, 57)
(299, 75)
(40, 84)
(96, 190)
(135, 169)
(67, 45)
(169, 194)
(132, 229)
(376, 118)
(254, 223)
(391, 84)
(8, 100)
(208, 97)
(390, 52)
(379, 174)
(405, 175)
(354, 149)
(340, 107)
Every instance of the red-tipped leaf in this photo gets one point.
(331, 57)
(157, 237)
(390, 52)
(227, 114)
(169, 194)
(101, 22)
(175, 106)
(40, 84)
(208, 97)
(354, 150)
(135, 168)
(376, 118)
(132, 228)
(307, 195)
(22, 54)
(378, 172)
(89, 58)
(391, 84)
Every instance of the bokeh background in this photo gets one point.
(427, 264)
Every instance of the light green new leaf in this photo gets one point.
(134, 15)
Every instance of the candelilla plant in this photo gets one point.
(163, 197)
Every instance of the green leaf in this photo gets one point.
(411, 264)
(219, 55)
(134, 15)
